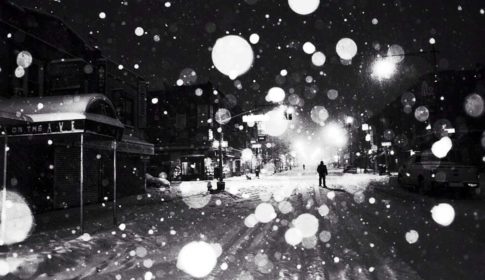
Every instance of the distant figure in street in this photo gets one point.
(257, 171)
(322, 173)
(303, 167)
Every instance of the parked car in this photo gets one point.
(157, 182)
(357, 170)
(382, 169)
(425, 173)
(350, 169)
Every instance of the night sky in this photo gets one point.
(188, 30)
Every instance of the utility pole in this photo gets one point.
(348, 122)
(387, 160)
(351, 162)
(220, 184)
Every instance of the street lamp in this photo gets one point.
(219, 144)
(365, 128)
(369, 137)
(385, 66)
(222, 116)
(383, 69)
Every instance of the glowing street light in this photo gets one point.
(349, 120)
(383, 69)
(247, 154)
(334, 135)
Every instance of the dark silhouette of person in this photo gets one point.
(303, 167)
(257, 170)
(322, 173)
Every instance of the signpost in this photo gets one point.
(220, 183)
(386, 146)
(4, 191)
(81, 183)
(115, 219)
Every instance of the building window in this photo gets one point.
(65, 77)
(35, 79)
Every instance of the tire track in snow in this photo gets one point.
(369, 247)
(264, 239)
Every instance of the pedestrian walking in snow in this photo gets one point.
(257, 170)
(322, 173)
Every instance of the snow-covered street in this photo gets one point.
(366, 228)
(246, 139)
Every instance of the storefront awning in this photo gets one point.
(8, 118)
(93, 113)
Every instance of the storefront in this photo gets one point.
(185, 163)
(66, 151)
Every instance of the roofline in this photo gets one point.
(89, 46)
(41, 12)
(79, 113)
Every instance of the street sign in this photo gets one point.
(386, 144)
(254, 118)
